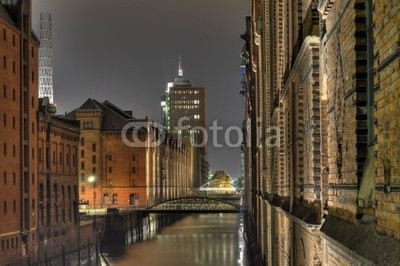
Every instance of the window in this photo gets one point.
(105, 199)
(33, 52)
(82, 165)
(133, 157)
(94, 170)
(110, 157)
(82, 141)
(4, 62)
(14, 206)
(94, 147)
(82, 153)
(5, 178)
(14, 179)
(4, 91)
(14, 67)
(5, 207)
(5, 149)
(94, 159)
(33, 179)
(115, 198)
(87, 124)
(110, 169)
(33, 80)
(133, 169)
(13, 121)
(40, 155)
(14, 40)
(33, 100)
(82, 177)
(4, 120)
(83, 189)
(14, 95)
(14, 151)
(2, 245)
(33, 153)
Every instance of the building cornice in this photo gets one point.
(309, 41)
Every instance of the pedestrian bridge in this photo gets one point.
(196, 204)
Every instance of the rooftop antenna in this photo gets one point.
(180, 70)
(46, 57)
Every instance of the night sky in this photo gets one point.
(126, 51)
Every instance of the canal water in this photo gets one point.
(197, 239)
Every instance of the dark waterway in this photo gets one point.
(199, 239)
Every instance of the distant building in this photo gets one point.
(58, 143)
(183, 115)
(18, 134)
(113, 173)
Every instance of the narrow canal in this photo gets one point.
(198, 239)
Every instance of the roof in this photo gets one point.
(363, 240)
(5, 14)
(90, 104)
(114, 118)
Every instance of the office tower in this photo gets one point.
(183, 115)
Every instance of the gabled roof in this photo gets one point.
(90, 104)
(114, 118)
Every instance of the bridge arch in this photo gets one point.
(195, 203)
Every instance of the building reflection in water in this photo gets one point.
(203, 239)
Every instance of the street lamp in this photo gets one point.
(91, 179)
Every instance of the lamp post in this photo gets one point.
(92, 179)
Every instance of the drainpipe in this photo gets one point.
(370, 81)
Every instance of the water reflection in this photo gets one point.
(203, 239)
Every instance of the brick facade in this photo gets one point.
(134, 174)
(58, 142)
(324, 74)
(18, 134)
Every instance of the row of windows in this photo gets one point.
(184, 92)
(54, 158)
(14, 68)
(185, 107)
(5, 177)
(185, 102)
(109, 157)
(55, 192)
(87, 125)
(14, 41)
(5, 93)
(5, 207)
(14, 207)
(9, 244)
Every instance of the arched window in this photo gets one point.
(63, 203)
(70, 202)
(115, 198)
(56, 203)
(105, 199)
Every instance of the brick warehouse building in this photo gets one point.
(58, 142)
(325, 75)
(18, 133)
(114, 174)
